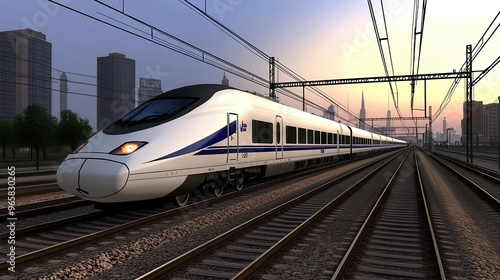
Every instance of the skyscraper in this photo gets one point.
(330, 113)
(362, 112)
(388, 123)
(444, 126)
(225, 81)
(25, 72)
(148, 88)
(115, 88)
(63, 91)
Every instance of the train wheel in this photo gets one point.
(239, 185)
(182, 200)
(217, 189)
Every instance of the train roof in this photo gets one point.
(201, 91)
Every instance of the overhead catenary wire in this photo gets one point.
(483, 40)
(382, 55)
(242, 41)
(416, 48)
(203, 55)
(189, 50)
(264, 56)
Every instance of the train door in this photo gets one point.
(232, 137)
(351, 139)
(279, 137)
(337, 140)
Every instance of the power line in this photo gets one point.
(475, 51)
(203, 56)
(382, 55)
(227, 31)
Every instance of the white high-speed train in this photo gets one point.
(205, 135)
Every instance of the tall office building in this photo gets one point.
(25, 72)
(491, 119)
(444, 126)
(63, 91)
(388, 123)
(330, 113)
(148, 88)
(362, 112)
(115, 88)
(477, 122)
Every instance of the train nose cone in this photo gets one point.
(92, 178)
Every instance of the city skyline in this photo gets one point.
(327, 39)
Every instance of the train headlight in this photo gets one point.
(128, 148)
(80, 147)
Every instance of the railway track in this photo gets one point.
(29, 189)
(481, 180)
(22, 174)
(397, 239)
(464, 204)
(43, 207)
(53, 238)
(242, 251)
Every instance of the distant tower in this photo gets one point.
(63, 91)
(362, 112)
(444, 126)
(330, 113)
(388, 123)
(225, 81)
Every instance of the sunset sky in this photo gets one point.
(321, 39)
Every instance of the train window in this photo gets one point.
(317, 139)
(347, 139)
(335, 138)
(302, 136)
(156, 109)
(278, 132)
(291, 135)
(330, 138)
(323, 137)
(310, 136)
(262, 132)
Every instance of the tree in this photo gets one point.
(72, 130)
(35, 128)
(6, 136)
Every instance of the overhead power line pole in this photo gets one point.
(468, 103)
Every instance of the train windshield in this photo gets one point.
(156, 110)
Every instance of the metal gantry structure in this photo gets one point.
(467, 74)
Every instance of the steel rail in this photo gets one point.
(346, 260)
(197, 251)
(437, 255)
(97, 235)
